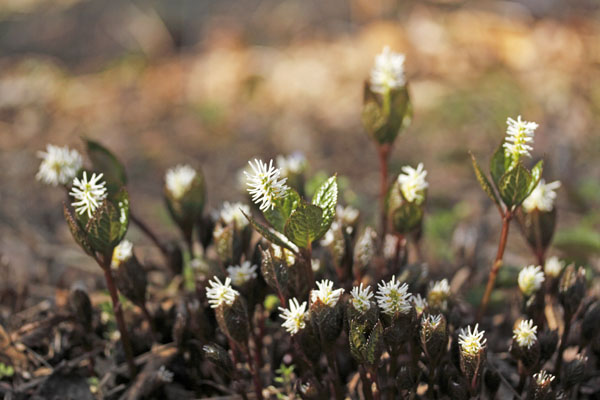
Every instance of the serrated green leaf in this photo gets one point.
(499, 164)
(326, 198)
(78, 234)
(357, 340)
(271, 235)
(407, 217)
(536, 175)
(105, 162)
(483, 181)
(514, 186)
(374, 345)
(99, 228)
(304, 224)
(280, 214)
(384, 118)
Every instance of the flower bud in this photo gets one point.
(130, 276)
(492, 381)
(538, 227)
(218, 356)
(590, 327)
(438, 296)
(574, 372)
(230, 310)
(548, 342)
(471, 352)
(540, 387)
(525, 346)
(434, 337)
(404, 201)
(326, 312)
(571, 289)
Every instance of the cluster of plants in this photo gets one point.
(294, 297)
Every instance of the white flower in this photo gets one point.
(471, 342)
(347, 215)
(418, 302)
(283, 254)
(433, 320)
(388, 71)
(392, 297)
(241, 274)
(295, 316)
(361, 298)
(293, 164)
(519, 136)
(412, 183)
(232, 213)
(59, 165)
(325, 293)
(89, 193)
(525, 333)
(553, 267)
(179, 180)
(122, 252)
(543, 378)
(542, 197)
(438, 294)
(530, 279)
(264, 184)
(219, 292)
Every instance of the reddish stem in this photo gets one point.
(384, 155)
(506, 217)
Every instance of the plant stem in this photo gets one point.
(334, 374)
(506, 217)
(148, 232)
(367, 390)
(384, 155)
(375, 382)
(563, 345)
(116, 303)
(393, 373)
(150, 322)
(255, 374)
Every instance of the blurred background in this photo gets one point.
(214, 83)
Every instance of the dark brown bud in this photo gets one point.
(233, 320)
(574, 372)
(540, 387)
(571, 289)
(218, 356)
(80, 305)
(591, 323)
(131, 280)
(434, 337)
(548, 341)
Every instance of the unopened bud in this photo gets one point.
(571, 289)
(540, 387)
(434, 337)
(81, 306)
(548, 341)
(219, 356)
(590, 327)
(574, 372)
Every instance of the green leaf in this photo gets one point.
(280, 214)
(326, 198)
(271, 235)
(304, 224)
(407, 217)
(374, 345)
(108, 225)
(514, 186)
(536, 175)
(105, 162)
(499, 164)
(78, 234)
(356, 338)
(483, 181)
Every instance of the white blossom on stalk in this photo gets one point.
(392, 297)
(220, 293)
(542, 197)
(418, 302)
(553, 267)
(234, 213)
(471, 341)
(59, 165)
(264, 184)
(525, 333)
(325, 293)
(293, 164)
(294, 317)
(88, 193)
(388, 71)
(361, 298)
(122, 252)
(412, 183)
(241, 274)
(519, 137)
(530, 279)
(543, 378)
(433, 320)
(179, 180)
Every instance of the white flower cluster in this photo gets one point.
(179, 180)
(519, 137)
(122, 252)
(293, 164)
(264, 184)
(388, 71)
(325, 293)
(361, 298)
(525, 333)
(418, 302)
(413, 184)
(88, 193)
(59, 165)
(234, 213)
(471, 341)
(553, 267)
(241, 274)
(542, 197)
(294, 317)
(393, 297)
(220, 293)
(530, 279)
(433, 320)
(543, 378)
